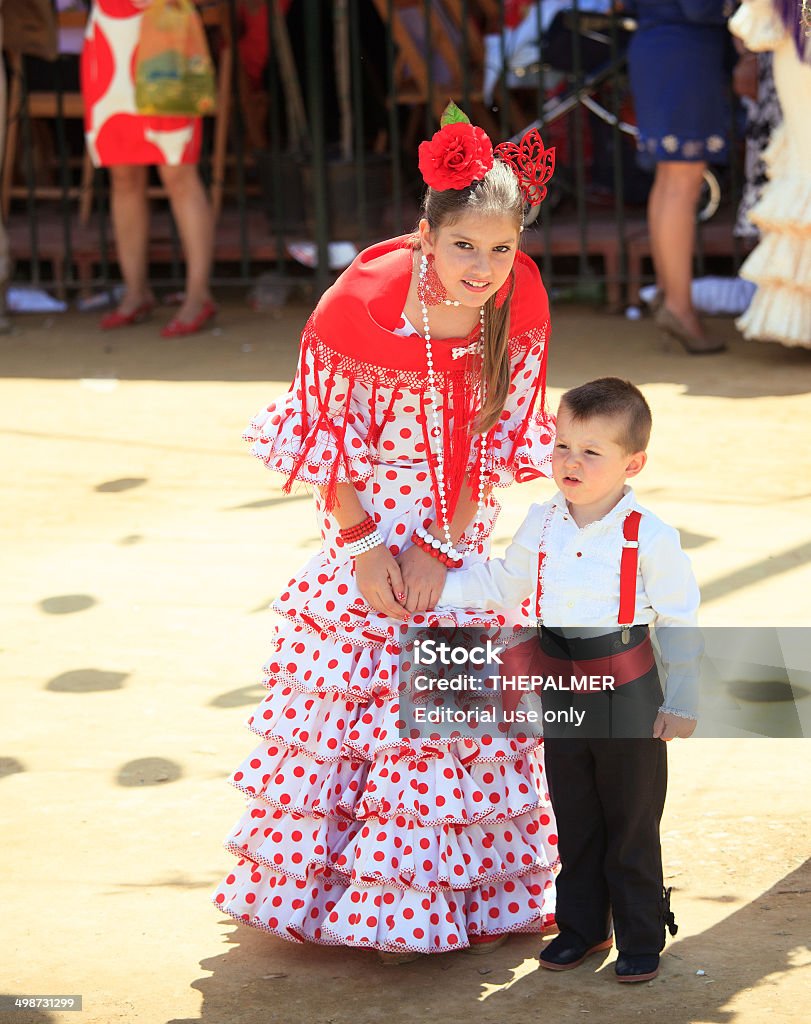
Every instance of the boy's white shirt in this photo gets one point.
(581, 591)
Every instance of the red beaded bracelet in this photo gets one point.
(451, 563)
(358, 531)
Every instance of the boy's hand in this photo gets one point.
(670, 727)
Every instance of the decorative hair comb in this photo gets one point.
(459, 154)
(531, 163)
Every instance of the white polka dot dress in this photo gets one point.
(354, 832)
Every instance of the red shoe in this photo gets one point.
(114, 320)
(180, 329)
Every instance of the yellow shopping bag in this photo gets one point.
(174, 73)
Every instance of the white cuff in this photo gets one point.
(664, 710)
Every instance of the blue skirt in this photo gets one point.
(680, 86)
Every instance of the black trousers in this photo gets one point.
(608, 780)
(608, 796)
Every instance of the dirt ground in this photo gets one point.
(141, 546)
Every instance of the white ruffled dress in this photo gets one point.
(353, 833)
(780, 265)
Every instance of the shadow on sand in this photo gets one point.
(263, 980)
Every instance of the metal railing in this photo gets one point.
(323, 139)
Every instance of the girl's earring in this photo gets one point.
(430, 290)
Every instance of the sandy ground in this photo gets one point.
(141, 546)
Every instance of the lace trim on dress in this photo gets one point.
(664, 710)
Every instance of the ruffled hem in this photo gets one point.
(781, 259)
(364, 672)
(330, 723)
(368, 733)
(778, 314)
(398, 853)
(784, 206)
(785, 203)
(758, 25)
(776, 156)
(288, 842)
(451, 859)
(355, 735)
(323, 908)
(366, 631)
(278, 436)
(533, 458)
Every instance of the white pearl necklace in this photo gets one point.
(436, 432)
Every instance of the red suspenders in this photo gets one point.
(629, 563)
(628, 566)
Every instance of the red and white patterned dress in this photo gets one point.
(114, 130)
(354, 834)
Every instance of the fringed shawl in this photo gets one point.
(328, 427)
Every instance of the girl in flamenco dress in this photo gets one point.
(420, 388)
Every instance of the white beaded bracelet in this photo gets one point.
(368, 543)
(445, 547)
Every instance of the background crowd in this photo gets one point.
(693, 75)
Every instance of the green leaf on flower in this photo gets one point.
(453, 115)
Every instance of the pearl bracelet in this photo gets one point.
(368, 543)
(445, 547)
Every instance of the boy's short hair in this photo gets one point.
(618, 399)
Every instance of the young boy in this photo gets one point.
(603, 569)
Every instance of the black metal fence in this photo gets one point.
(328, 103)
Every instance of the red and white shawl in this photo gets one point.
(359, 397)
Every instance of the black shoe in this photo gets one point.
(644, 967)
(566, 952)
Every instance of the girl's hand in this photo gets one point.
(671, 727)
(379, 581)
(423, 578)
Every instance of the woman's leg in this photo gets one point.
(654, 205)
(672, 226)
(130, 213)
(192, 213)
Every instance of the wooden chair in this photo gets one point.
(43, 105)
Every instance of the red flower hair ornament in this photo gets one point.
(460, 154)
(457, 155)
